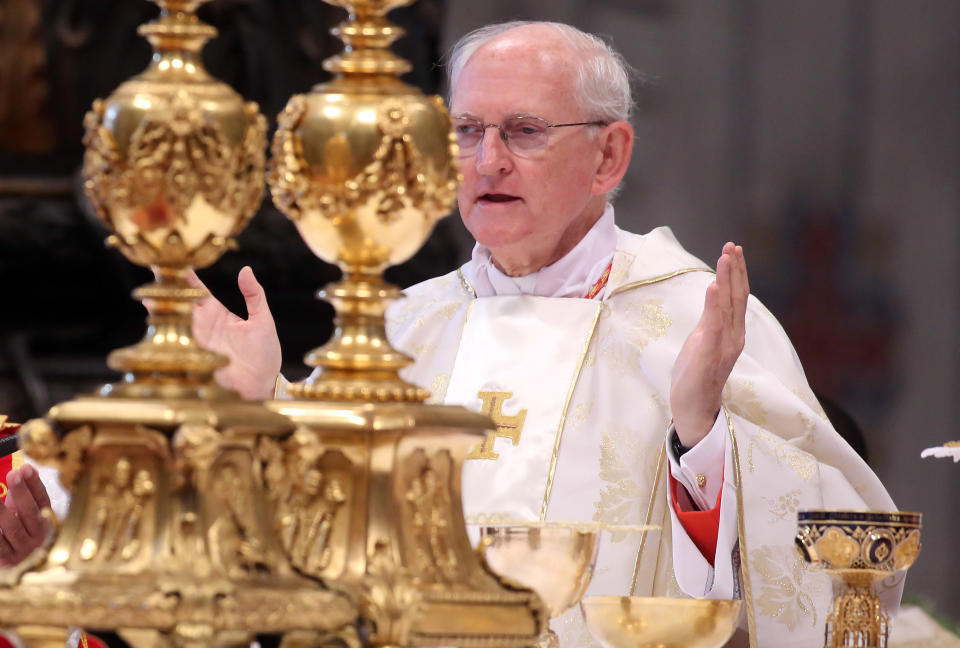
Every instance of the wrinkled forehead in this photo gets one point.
(525, 71)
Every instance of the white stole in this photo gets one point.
(518, 361)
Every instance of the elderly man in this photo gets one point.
(630, 384)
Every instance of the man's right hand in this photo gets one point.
(251, 344)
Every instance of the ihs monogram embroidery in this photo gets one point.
(508, 427)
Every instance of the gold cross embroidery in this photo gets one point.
(508, 427)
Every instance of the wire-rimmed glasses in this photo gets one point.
(524, 135)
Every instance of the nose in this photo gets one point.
(492, 157)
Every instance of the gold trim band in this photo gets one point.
(742, 536)
(661, 460)
(469, 289)
(652, 280)
(563, 415)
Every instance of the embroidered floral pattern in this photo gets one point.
(787, 586)
(641, 324)
(740, 397)
(785, 506)
(786, 455)
(438, 388)
(621, 498)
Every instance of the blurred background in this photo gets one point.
(824, 135)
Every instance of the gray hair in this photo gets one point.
(603, 76)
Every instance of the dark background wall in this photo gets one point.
(823, 134)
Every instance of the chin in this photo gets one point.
(495, 233)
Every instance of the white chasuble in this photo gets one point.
(590, 441)
(518, 362)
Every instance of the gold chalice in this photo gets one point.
(553, 559)
(656, 622)
(858, 549)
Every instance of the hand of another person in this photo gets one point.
(251, 344)
(22, 527)
(711, 350)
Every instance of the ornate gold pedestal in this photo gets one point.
(858, 549)
(371, 505)
(168, 538)
(364, 166)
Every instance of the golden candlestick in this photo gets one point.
(168, 539)
(858, 549)
(364, 165)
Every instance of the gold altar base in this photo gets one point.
(168, 529)
(368, 501)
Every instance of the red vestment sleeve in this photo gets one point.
(703, 527)
(6, 463)
(90, 641)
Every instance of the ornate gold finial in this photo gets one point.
(368, 35)
(174, 168)
(364, 165)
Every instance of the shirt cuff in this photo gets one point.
(700, 469)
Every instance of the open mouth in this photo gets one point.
(496, 198)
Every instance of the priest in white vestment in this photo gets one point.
(631, 383)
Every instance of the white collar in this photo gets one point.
(573, 275)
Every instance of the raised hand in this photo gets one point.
(251, 344)
(22, 527)
(710, 351)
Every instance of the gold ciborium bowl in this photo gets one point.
(858, 549)
(364, 171)
(553, 559)
(655, 622)
(175, 159)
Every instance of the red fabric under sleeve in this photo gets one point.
(703, 527)
(6, 463)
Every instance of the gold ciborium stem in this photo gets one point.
(358, 363)
(168, 355)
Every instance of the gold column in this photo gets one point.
(168, 538)
(366, 493)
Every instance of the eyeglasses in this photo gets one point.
(522, 135)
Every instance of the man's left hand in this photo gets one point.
(22, 527)
(711, 350)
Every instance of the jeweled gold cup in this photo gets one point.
(858, 549)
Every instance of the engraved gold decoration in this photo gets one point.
(169, 538)
(858, 549)
(366, 493)
(640, 622)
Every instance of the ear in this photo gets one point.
(616, 143)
